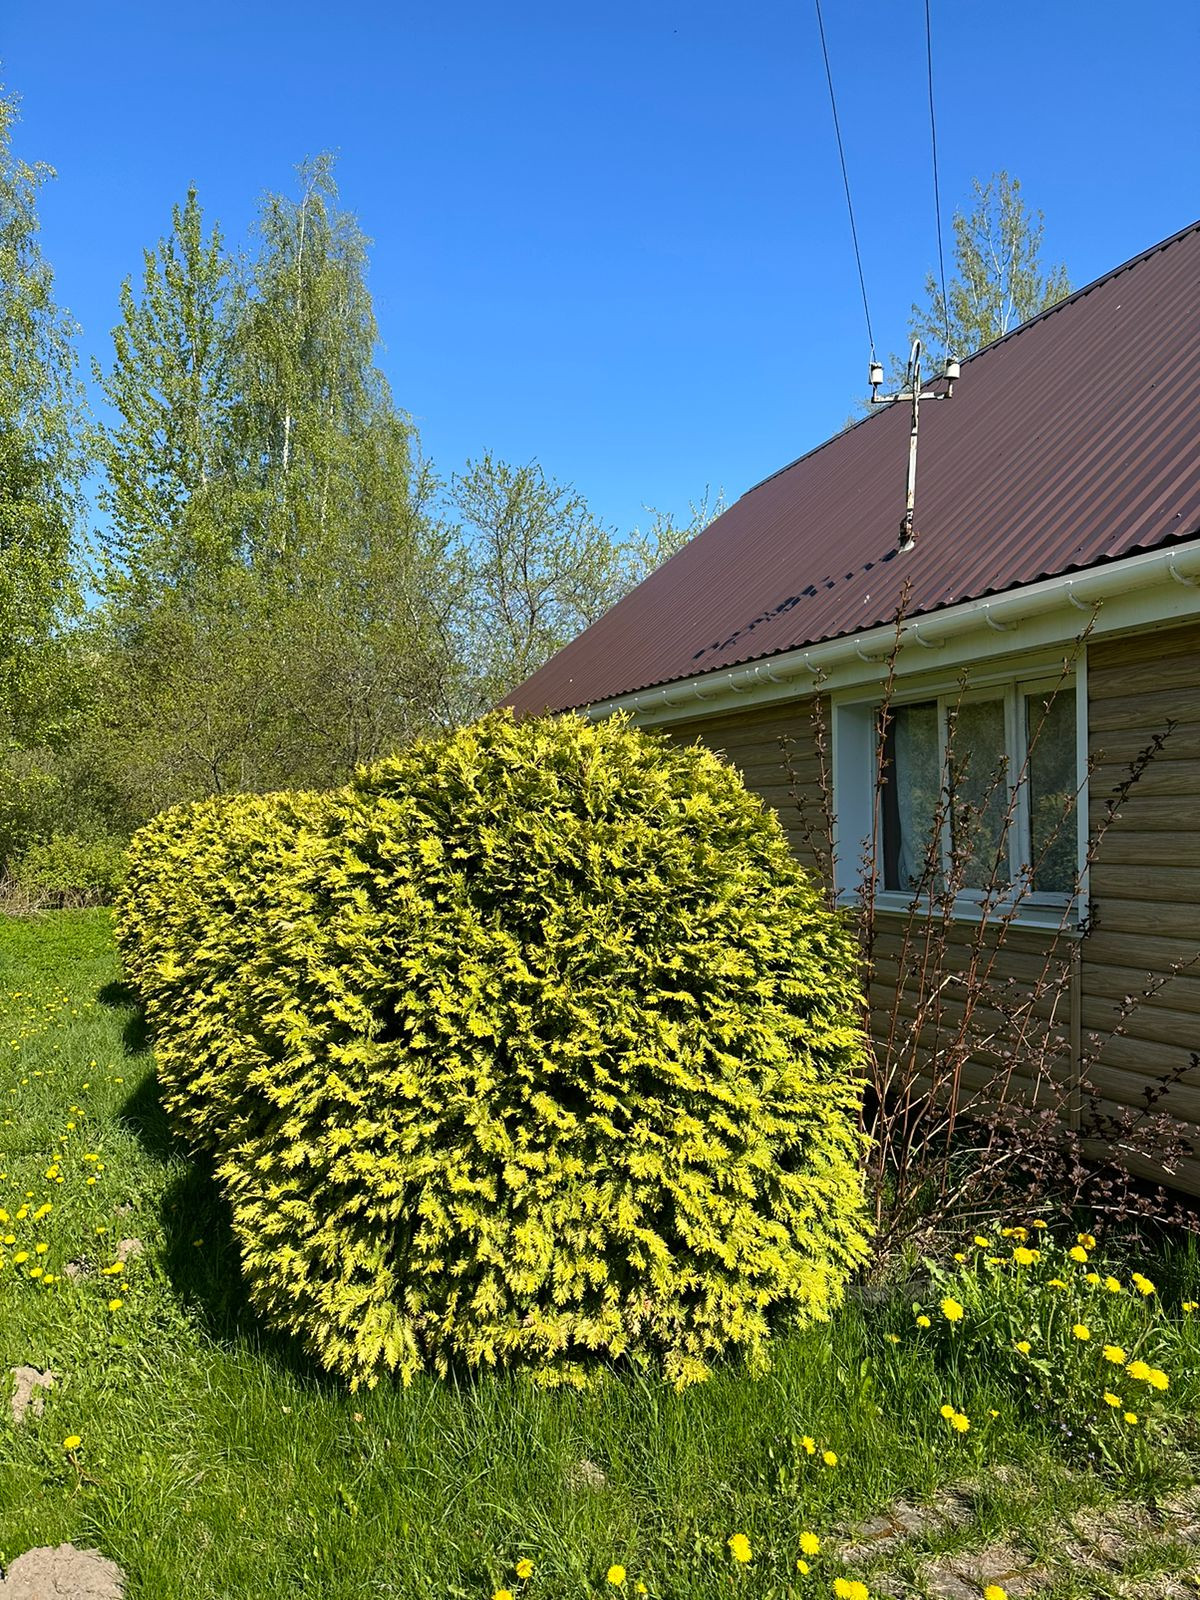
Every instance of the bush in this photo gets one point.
(66, 870)
(532, 1042)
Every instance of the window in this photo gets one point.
(979, 789)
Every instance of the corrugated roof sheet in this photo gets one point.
(1072, 441)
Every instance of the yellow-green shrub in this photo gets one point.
(539, 1045)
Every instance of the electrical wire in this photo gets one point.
(862, 282)
(937, 190)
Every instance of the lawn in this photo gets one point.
(214, 1462)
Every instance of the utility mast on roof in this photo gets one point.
(913, 391)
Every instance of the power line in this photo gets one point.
(862, 282)
(937, 194)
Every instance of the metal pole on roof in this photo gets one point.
(913, 391)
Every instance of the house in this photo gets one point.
(1058, 543)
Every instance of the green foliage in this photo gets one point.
(999, 281)
(40, 408)
(1084, 1345)
(531, 1044)
(67, 870)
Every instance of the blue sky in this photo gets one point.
(611, 237)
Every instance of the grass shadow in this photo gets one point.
(121, 996)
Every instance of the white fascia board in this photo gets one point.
(1157, 589)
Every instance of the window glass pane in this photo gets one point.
(980, 778)
(910, 795)
(1054, 834)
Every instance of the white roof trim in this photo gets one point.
(1157, 589)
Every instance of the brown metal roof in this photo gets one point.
(1072, 441)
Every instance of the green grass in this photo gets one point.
(215, 1462)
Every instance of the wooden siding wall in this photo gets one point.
(1145, 882)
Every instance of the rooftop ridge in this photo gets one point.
(1039, 316)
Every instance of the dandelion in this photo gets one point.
(1092, 1278)
(802, 1565)
(1057, 1283)
(960, 1422)
(850, 1589)
(1023, 1256)
(116, 1303)
(1077, 1253)
(503, 1594)
(40, 1249)
(892, 1338)
(1131, 1418)
(809, 1445)
(981, 1241)
(1039, 1223)
(924, 1322)
(1113, 1285)
(72, 1442)
(1139, 1370)
(616, 1576)
(1111, 1399)
(995, 1592)
(21, 1256)
(1024, 1346)
(952, 1310)
(739, 1548)
(829, 1457)
(1087, 1240)
(1158, 1379)
(524, 1568)
(810, 1545)
(1191, 1305)
(947, 1412)
(1142, 1285)
(1082, 1331)
(113, 1271)
(1114, 1353)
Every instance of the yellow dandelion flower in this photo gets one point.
(1111, 1399)
(995, 1592)
(503, 1594)
(113, 1271)
(960, 1422)
(1039, 1223)
(801, 1565)
(810, 1545)
(1087, 1240)
(850, 1589)
(1191, 1305)
(947, 1412)
(1113, 1285)
(115, 1304)
(739, 1548)
(981, 1241)
(959, 1256)
(1057, 1283)
(829, 1457)
(1141, 1284)
(1158, 1379)
(1082, 1331)
(524, 1568)
(21, 1255)
(1024, 1346)
(952, 1310)
(809, 1445)
(1023, 1256)
(1131, 1418)
(1139, 1370)
(923, 1321)
(1114, 1353)
(1092, 1278)
(615, 1575)
(1077, 1253)
(72, 1442)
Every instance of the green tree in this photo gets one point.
(40, 463)
(171, 387)
(999, 279)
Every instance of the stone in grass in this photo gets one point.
(585, 1474)
(28, 1396)
(129, 1249)
(62, 1573)
(965, 1574)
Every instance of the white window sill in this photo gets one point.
(1045, 912)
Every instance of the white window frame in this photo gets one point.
(854, 756)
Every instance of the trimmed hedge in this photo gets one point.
(532, 1043)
